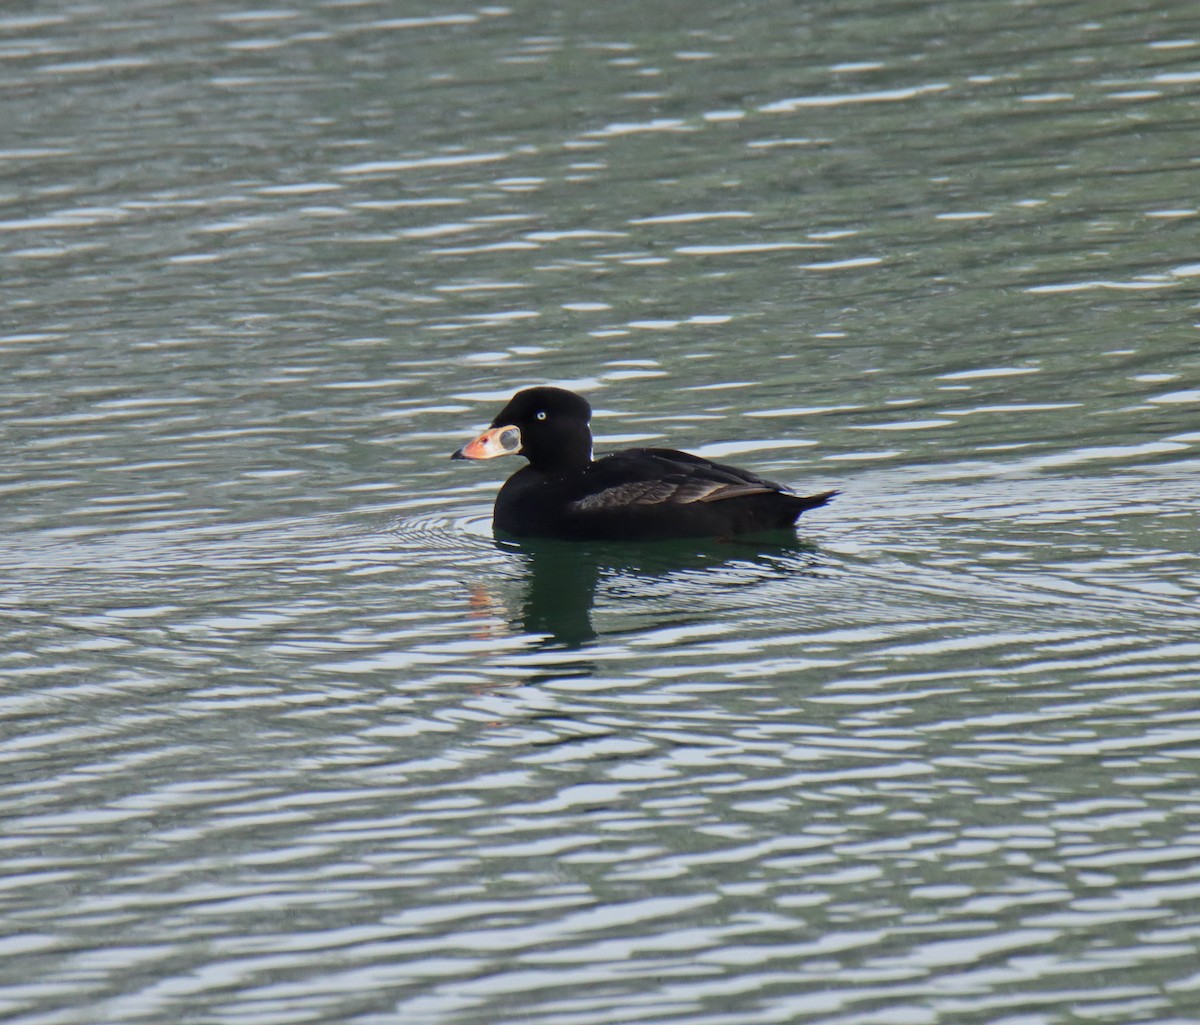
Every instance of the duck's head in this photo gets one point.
(548, 426)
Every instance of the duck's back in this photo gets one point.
(645, 494)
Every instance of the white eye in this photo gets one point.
(541, 414)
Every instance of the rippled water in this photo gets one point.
(287, 737)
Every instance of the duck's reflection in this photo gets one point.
(561, 578)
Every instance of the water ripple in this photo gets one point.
(287, 736)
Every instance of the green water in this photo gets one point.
(288, 737)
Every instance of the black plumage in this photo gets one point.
(638, 494)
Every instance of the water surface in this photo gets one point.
(288, 737)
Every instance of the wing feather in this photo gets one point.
(665, 477)
(668, 491)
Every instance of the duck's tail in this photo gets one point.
(802, 503)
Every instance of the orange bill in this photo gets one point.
(498, 441)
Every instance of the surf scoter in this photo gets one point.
(639, 494)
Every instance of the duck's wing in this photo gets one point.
(664, 477)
